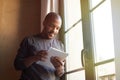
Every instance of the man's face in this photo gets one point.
(52, 28)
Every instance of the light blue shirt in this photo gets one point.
(28, 47)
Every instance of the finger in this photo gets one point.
(42, 56)
(56, 62)
(42, 52)
(59, 61)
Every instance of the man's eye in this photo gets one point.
(51, 25)
(58, 28)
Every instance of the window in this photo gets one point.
(90, 31)
(73, 40)
(103, 39)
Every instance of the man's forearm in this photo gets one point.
(30, 60)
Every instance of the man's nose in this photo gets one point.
(54, 30)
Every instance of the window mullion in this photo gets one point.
(87, 40)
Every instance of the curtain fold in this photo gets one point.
(44, 10)
(46, 7)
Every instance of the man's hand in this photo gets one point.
(58, 64)
(40, 55)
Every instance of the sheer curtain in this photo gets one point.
(48, 6)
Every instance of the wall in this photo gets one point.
(18, 18)
(116, 28)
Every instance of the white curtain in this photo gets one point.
(48, 6)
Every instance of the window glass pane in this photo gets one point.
(106, 71)
(73, 12)
(76, 76)
(95, 2)
(74, 46)
(103, 32)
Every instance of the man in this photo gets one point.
(34, 48)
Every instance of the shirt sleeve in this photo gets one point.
(21, 54)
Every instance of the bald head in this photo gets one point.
(52, 16)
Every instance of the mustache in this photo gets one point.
(51, 32)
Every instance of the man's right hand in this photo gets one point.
(41, 55)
